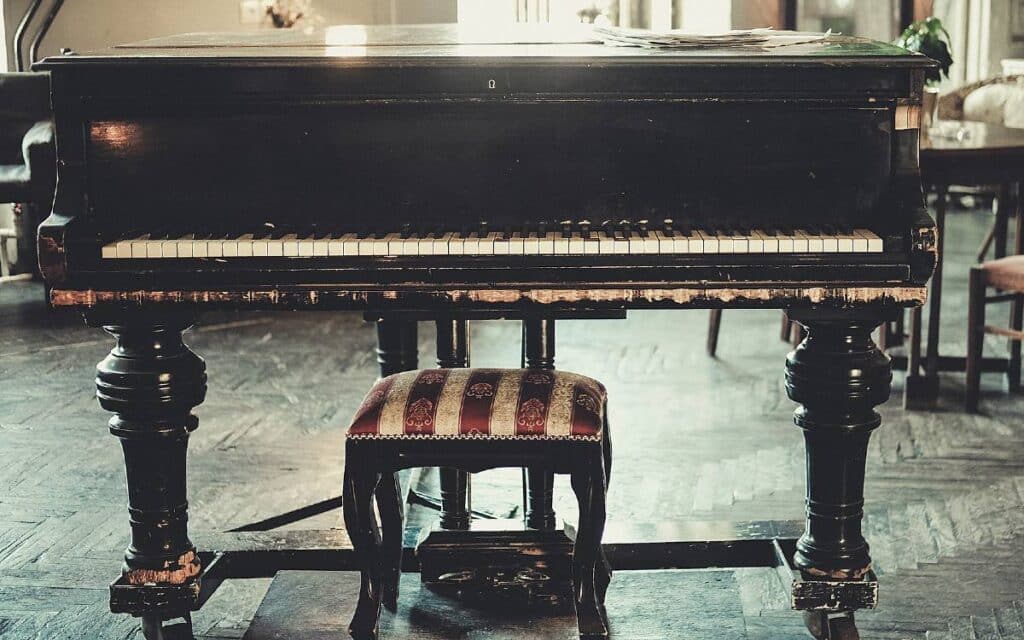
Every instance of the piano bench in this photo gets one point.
(472, 420)
(1006, 275)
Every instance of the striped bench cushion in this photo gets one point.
(482, 403)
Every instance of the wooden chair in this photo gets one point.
(790, 331)
(471, 420)
(1007, 276)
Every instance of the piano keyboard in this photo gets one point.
(569, 239)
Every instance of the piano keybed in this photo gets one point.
(567, 238)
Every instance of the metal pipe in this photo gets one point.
(37, 41)
(19, 34)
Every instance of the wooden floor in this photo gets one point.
(696, 438)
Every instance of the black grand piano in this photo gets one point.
(429, 173)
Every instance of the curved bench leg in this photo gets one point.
(360, 481)
(604, 567)
(392, 516)
(588, 483)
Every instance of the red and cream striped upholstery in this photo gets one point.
(482, 403)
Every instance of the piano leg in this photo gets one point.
(151, 381)
(539, 353)
(838, 375)
(397, 350)
(453, 352)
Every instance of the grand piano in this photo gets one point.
(431, 173)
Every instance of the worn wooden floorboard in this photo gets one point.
(695, 438)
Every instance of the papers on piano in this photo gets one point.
(677, 39)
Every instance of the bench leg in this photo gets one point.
(392, 521)
(588, 483)
(539, 353)
(360, 482)
(604, 567)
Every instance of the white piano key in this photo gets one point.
(561, 244)
(124, 248)
(350, 244)
(664, 241)
(501, 245)
(366, 246)
(636, 244)
(154, 248)
(592, 244)
(138, 246)
(725, 243)
(186, 247)
(517, 245)
(200, 247)
(755, 242)
(290, 245)
(651, 244)
(531, 245)
(786, 244)
(306, 246)
(109, 251)
(214, 247)
(769, 243)
(830, 244)
(275, 247)
(487, 243)
(261, 247)
(680, 243)
(860, 242)
(456, 245)
(710, 242)
(815, 243)
(170, 249)
(605, 243)
(695, 242)
(547, 243)
(320, 246)
(801, 243)
(740, 243)
(229, 248)
(336, 246)
(621, 245)
(576, 244)
(245, 245)
(471, 245)
(380, 246)
(875, 244)
(441, 244)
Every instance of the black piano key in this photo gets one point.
(566, 229)
(642, 230)
(507, 233)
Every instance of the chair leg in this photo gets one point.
(392, 515)
(714, 323)
(5, 257)
(785, 328)
(975, 337)
(357, 500)
(1016, 323)
(588, 483)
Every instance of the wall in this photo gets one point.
(96, 24)
(1000, 38)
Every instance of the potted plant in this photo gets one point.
(930, 38)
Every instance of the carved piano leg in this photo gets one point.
(151, 381)
(453, 352)
(838, 375)
(539, 353)
(397, 350)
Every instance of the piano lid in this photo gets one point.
(448, 41)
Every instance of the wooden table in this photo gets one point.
(960, 152)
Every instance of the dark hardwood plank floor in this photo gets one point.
(696, 438)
